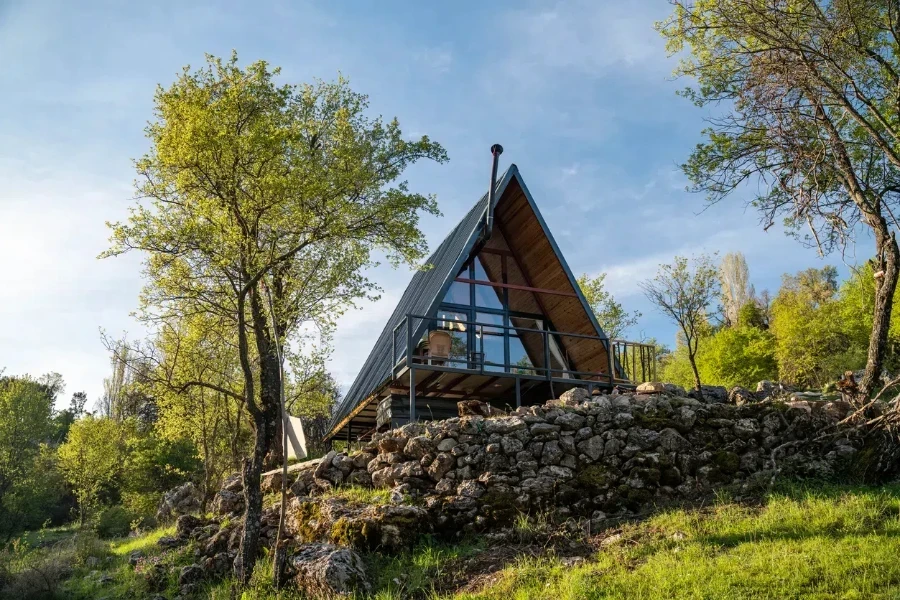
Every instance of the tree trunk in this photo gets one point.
(697, 385)
(252, 471)
(887, 267)
(265, 421)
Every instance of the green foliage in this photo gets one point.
(683, 291)
(91, 458)
(613, 318)
(752, 315)
(260, 206)
(113, 522)
(813, 345)
(805, 113)
(738, 356)
(28, 485)
(151, 466)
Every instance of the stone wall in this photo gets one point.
(599, 457)
(595, 459)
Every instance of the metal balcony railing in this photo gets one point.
(626, 362)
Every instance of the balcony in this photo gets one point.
(497, 362)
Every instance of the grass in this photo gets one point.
(803, 542)
(361, 495)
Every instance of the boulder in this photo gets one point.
(181, 500)
(271, 482)
(711, 394)
(227, 502)
(575, 396)
(651, 387)
(740, 396)
(186, 525)
(327, 571)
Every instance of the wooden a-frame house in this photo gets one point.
(498, 317)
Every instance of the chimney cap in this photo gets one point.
(497, 149)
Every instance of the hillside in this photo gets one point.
(800, 541)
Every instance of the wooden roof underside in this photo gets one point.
(519, 231)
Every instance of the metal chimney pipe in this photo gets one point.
(496, 151)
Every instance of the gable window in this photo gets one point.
(487, 332)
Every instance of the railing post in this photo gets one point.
(394, 350)
(547, 355)
(412, 370)
(481, 349)
(412, 394)
(612, 362)
(518, 392)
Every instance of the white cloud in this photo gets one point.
(436, 60)
(585, 37)
(57, 294)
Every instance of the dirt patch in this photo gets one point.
(475, 573)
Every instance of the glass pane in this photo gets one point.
(485, 295)
(455, 322)
(480, 273)
(518, 357)
(492, 346)
(488, 297)
(458, 294)
(490, 319)
(492, 337)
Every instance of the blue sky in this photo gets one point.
(578, 92)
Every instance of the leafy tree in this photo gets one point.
(312, 394)
(811, 115)
(151, 466)
(197, 384)
(26, 406)
(63, 419)
(811, 340)
(683, 291)
(741, 355)
(91, 458)
(752, 315)
(612, 316)
(737, 291)
(252, 188)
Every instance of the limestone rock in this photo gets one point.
(327, 571)
(575, 396)
(227, 502)
(592, 447)
(651, 387)
(181, 500)
(740, 396)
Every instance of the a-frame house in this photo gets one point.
(497, 317)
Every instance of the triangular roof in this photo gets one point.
(427, 287)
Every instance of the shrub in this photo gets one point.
(34, 574)
(89, 548)
(112, 522)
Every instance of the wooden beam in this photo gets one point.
(498, 251)
(423, 385)
(403, 389)
(435, 389)
(451, 384)
(524, 270)
(482, 386)
(523, 288)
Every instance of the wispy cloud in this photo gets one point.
(435, 60)
(585, 37)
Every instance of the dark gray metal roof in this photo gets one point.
(421, 295)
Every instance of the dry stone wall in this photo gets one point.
(600, 457)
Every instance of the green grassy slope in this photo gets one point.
(822, 541)
(803, 542)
